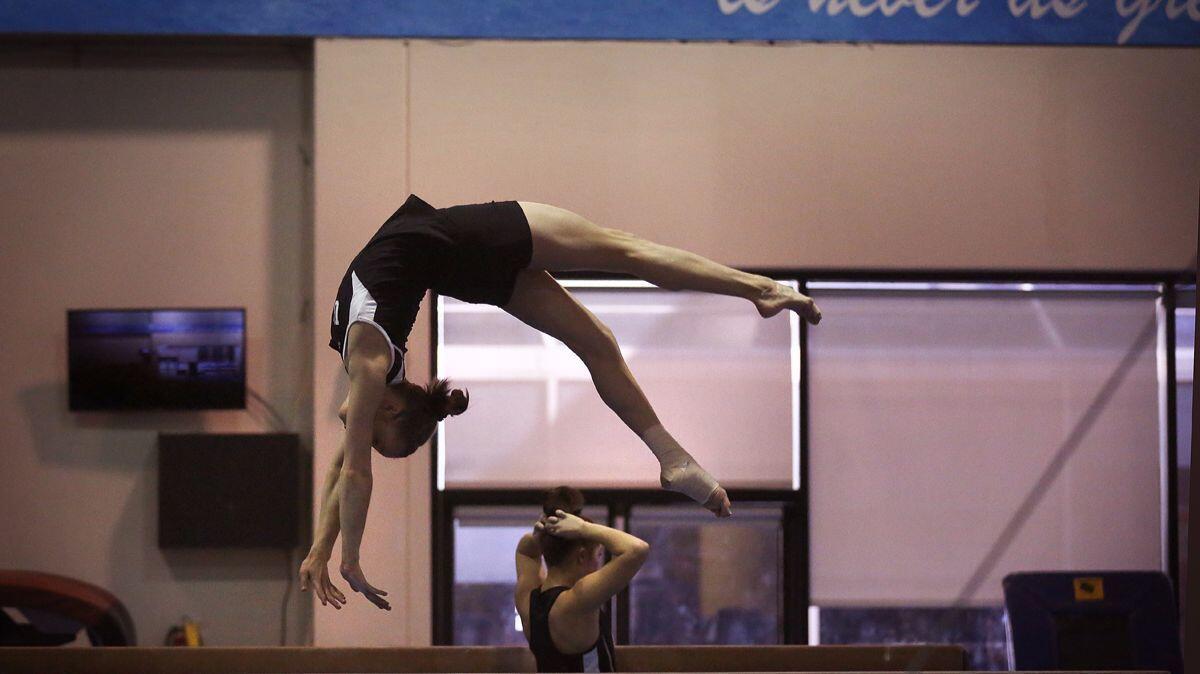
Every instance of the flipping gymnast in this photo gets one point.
(496, 253)
(563, 607)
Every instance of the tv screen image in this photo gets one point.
(142, 359)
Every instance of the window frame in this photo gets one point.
(796, 515)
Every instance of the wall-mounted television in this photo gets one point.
(156, 359)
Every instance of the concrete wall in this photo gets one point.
(159, 178)
(817, 156)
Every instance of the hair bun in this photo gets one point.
(442, 402)
(567, 499)
(456, 403)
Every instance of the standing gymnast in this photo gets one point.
(496, 253)
(563, 607)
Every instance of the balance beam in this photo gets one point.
(470, 660)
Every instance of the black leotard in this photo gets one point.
(472, 253)
(599, 658)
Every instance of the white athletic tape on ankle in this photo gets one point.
(679, 470)
(692, 481)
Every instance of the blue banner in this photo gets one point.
(1065, 22)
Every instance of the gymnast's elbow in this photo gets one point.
(639, 550)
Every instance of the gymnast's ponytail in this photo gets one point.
(443, 402)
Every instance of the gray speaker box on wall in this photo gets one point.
(231, 490)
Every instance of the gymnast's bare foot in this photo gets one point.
(777, 297)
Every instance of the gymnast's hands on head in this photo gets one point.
(562, 524)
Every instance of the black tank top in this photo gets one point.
(599, 658)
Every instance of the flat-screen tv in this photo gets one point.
(156, 359)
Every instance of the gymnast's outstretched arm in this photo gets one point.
(314, 572)
(367, 364)
(329, 525)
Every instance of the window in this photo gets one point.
(707, 581)
(718, 376)
(939, 406)
(722, 379)
(933, 409)
(1185, 348)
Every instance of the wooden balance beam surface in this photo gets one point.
(442, 659)
(788, 658)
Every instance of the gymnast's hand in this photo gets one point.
(564, 525)
(353, 574)
(314, 573)
(539, 531)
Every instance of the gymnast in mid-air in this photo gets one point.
(497, 253)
